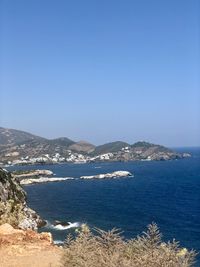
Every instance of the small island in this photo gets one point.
(30, 173)
(44, 180)
(113, 175)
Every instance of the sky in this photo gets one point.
(102, 70)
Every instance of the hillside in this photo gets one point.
(145, 145)
(145, 150)
(15, 137)
(61, 141)
(110, 147)
(18, 147)
(82, 147)
(15, 144)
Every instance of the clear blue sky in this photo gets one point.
(101, 70)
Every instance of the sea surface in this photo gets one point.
(164, 192)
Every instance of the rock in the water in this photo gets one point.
(44, 180)
(61, 223)
(33, 173)
(116, 174)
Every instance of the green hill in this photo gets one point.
(110, 147)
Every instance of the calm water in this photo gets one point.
(167, 193)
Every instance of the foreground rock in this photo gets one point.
(11, 236)
(27, 248)
(13, 207)
(116, 174)
(44, 180)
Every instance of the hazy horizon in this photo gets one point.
(101, 71)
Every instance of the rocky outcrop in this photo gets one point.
(44, 180)
(32, 173)
(22, 248)
(13, 207)
(9, 235)
(36, 176)
(116, 174)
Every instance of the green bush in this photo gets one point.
(109, 249)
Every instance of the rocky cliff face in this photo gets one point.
(13, 207)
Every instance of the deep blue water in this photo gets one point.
(165, 192)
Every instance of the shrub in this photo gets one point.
(109, 249)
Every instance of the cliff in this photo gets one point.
(13, 207)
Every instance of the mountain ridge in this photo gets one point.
(15, 144)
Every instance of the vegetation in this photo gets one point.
(110, 147)
(62, 141)
(11, 213)
(109, 249)
(12, 198)
(146, 145)
(142, 144)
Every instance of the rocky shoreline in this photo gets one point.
(31, 173)
(123, 155)
(13, 206)
(34, 176)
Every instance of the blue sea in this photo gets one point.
(164, 192)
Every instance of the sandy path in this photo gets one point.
(30, 257)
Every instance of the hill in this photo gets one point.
(20, 147)
(61, 141)
(145, 145)
(15, 144)
(82, 147)
(15, 137)
(110, 147)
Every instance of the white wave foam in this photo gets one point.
(48, 224)
(62, 227)
(58, 242)
(71, 225)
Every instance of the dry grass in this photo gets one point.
(109, 249)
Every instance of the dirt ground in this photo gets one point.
(19, 248)
(31, 256)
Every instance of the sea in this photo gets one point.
(164, 192)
